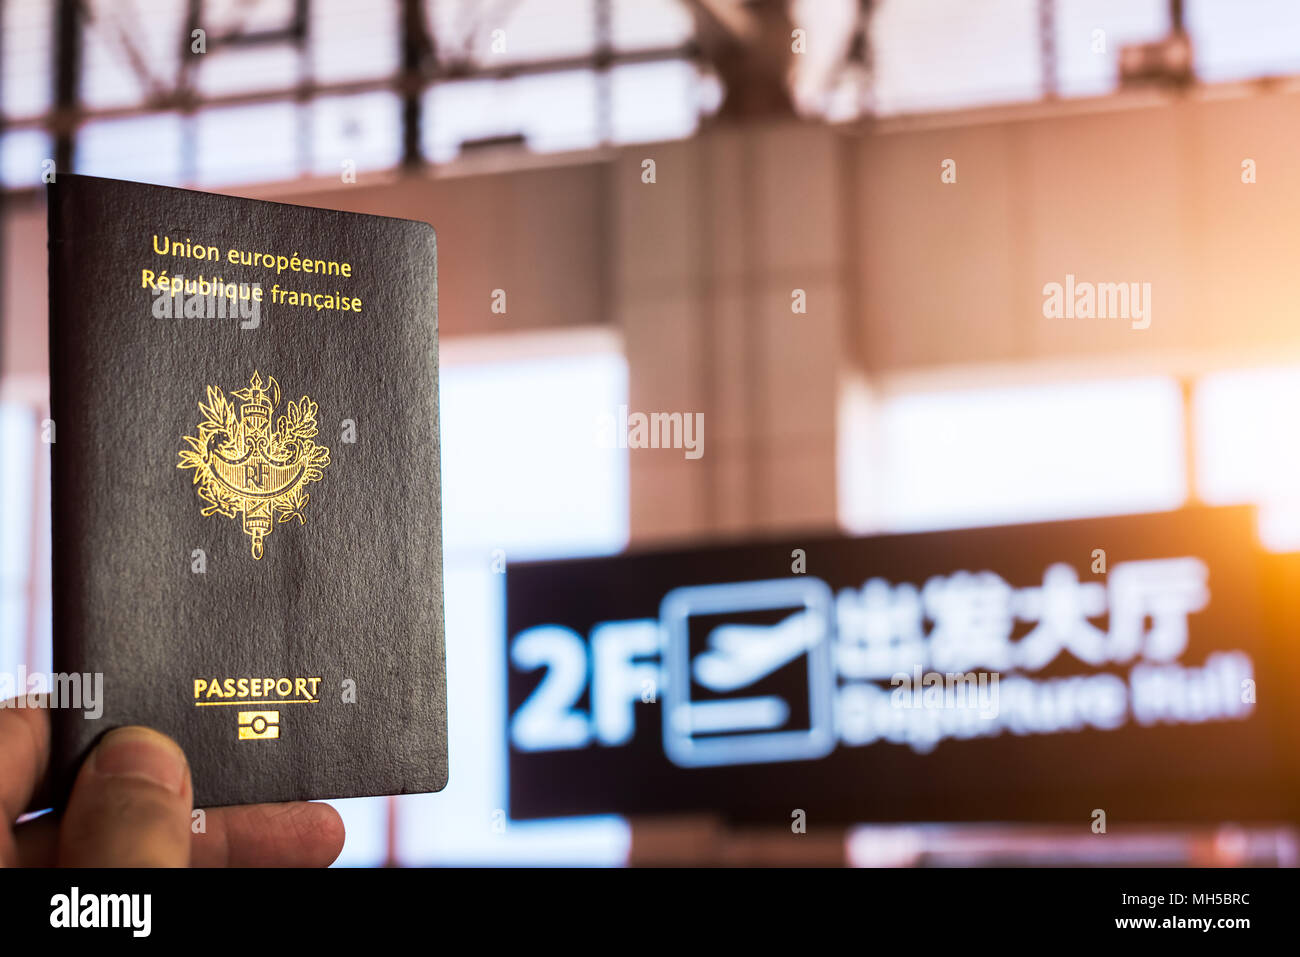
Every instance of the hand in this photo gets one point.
(131, 806)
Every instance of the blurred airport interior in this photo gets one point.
(823, 230)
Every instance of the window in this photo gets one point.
(18, 438)
(929, 460)
(523, 473)
(148, 148)
(276, 97)
(555, 111)
(24, 545)
(1087, 63)
(21, 154)
(1247, 449)
(936, 55)
(1241, 39)
(26, 57)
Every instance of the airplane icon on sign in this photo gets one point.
(734, 728)
(739, 655)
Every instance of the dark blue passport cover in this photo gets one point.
(247, 508)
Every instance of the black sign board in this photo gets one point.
(1134, 665)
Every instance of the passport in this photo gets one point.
(246, 491)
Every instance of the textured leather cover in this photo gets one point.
(347, 591)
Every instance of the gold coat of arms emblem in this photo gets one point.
(246, 469)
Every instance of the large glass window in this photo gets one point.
(918, 459)
(18, 438)
(524, 477)
(1247, 448)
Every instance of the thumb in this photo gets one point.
(130, 806)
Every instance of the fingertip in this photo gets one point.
(324, 832)
(295, 834)
(143, 754)
(130, 805)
